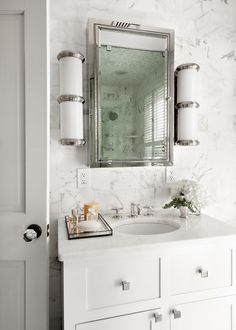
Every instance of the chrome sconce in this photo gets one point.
(186, 104)
(70, 99)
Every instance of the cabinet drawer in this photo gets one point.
(123, 282)
(137, 321)
(200, 270)
(215, 314)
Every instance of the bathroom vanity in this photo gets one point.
(179, 280)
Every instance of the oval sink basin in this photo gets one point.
(146, 227)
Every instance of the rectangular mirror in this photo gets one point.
(131, 94)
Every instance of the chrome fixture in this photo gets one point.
(157, 317)
(137, 210)
(125, 285)
(133, 210)
(68, 53)
(176, 313)
(149, 53)
(124, 25)
(202, 272)
(117, 212)
(149, 210)
(32, 232)
(70, 99)
(120, 24)
(186, 103)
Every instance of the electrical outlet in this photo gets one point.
(83, 177)
(170, 174)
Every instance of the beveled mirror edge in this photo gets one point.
(94, 162)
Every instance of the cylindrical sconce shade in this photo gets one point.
(70, 99)
(186, 103)
(71, 115)
(187, 82)
(186, 124)
(71, 81)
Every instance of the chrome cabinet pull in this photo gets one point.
(176, 313)
(125, 285)
(157, 317)
(202, 272)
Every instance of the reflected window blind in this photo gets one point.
(155, 123)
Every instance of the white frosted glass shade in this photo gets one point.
(187, 85)
(186, 127)
(71, 119)
(71, 81)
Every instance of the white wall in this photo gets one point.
(205, 34)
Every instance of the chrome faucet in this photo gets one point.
(133, 210)
(117, 212)
(137, 209)
(149, 210)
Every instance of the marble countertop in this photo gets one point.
(191, 230)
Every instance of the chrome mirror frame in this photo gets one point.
(93, 35)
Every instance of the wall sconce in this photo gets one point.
(70, 99)
(186, 103)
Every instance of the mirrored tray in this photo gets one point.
(74, 232)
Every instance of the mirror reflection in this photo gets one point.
(132, 76)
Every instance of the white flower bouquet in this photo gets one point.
(188, 193)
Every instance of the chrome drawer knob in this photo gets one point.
(202, 272)
(176, 313)
(125, 285)
(157, 317)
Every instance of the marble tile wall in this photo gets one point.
(206, 34)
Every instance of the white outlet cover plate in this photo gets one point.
(83, 177)
(170, 174)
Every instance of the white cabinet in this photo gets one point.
(193, 287)
(149, 320)
(215, 314)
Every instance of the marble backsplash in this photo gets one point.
(205, 33)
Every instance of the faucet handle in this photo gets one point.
(133, 210)
(149, 210)
(117, 212)
(139, 209)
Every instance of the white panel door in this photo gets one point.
(23, 164)
(215, 314)
(136, 321)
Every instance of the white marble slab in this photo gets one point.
(194, 229)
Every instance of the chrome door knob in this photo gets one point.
(32, 232)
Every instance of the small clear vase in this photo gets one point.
(184, 212)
